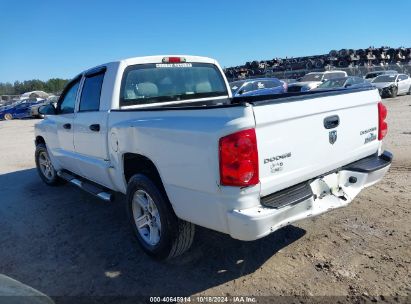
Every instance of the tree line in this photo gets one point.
(54, 85)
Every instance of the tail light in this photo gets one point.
(382, 124)
(239, 159)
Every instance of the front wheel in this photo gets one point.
(8, 116)
(394, 92)
(158, 230)
(44, 166)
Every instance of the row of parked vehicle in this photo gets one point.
(26, 108)
(343, 58)
(389, 83)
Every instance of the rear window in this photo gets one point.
(335, 75)
(313, 77)
(153, 83)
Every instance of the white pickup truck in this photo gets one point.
(165, 131)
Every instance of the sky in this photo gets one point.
(48, 39)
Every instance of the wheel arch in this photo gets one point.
(134, 163)
(39, 140)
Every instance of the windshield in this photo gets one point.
(333, 83)
(373, 75)
(385, 78)
(152, 83)
(234, 86)
(312, 77)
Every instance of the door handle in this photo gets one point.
(67, 126)
(94, 127)
(331, 122)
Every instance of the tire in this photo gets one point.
(159, 233)
(8, 116)
(394, 92)
(409, 91)
(44, 166)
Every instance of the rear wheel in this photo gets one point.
(8, 116)
(44, 166)
(158, 230)
(409, 91)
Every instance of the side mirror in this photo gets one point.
(48, 109)
(348, 85)
(240, 92)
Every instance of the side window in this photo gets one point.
(349, 81)
(261, 85)
(402, 77)
(67, 103)
(272, 84)
(248, 87)
(359, 80)
(90, 96)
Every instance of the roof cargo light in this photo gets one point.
(173, 59)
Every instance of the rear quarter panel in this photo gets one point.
(183, 145)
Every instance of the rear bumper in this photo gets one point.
(328, 192)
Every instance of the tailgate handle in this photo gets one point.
(331, 122)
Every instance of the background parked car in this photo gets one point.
(18, 110)
(34, 109)
(370, 76)
(312, 80)
(259, 86)
(343, 83)
(393, 84)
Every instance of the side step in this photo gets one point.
(87, 186)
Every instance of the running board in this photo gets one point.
(87, 186)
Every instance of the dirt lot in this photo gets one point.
(63, 241)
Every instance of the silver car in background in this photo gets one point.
(370, 76)
(312, 80)
(391, 85)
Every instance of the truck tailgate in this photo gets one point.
(302, 137)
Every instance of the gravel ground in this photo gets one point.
(65, 242)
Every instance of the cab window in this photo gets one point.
(68, 100)
(90, 95)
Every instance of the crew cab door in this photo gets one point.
(90, 130)
(60, 139)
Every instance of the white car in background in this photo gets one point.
(312, 80)
(370, 76)
(392, 85)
